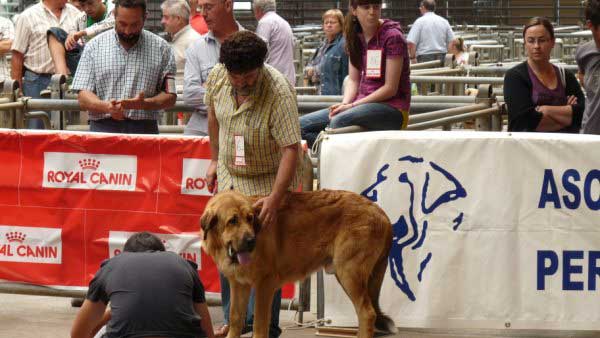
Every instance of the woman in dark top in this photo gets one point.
(539, 95)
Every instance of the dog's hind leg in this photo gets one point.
(354, 280)
(240, 293)
(265, 290)
(382, 322)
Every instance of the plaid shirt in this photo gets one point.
(268, 121)
(7, 32)
(31, 34)
(112, 72)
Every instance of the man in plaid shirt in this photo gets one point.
(126, 75)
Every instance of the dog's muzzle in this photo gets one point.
(242, 254)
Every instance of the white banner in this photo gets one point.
(187, 245)
(89, 171)
(30, 244)
(491, 230)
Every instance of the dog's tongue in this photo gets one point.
(243, 258)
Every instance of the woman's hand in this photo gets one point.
(572, 100)
(338, 108)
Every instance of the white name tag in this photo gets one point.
(240, 158)
(374, 57)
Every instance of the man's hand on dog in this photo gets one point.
(268, 212)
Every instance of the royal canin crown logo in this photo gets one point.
(15, 236)
(89, 163)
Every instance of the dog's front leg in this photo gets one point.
(237, 311)
(262, 308)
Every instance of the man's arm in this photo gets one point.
(193, 91)
(92, 103)
(5, 46)
(161, 101)
(287, 169)
(412, 52)
(285, 174)
(87, 318)
(205, 321)
(213, 134)
(16, 65)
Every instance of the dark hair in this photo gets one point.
(429, 5)
(592, 12)
(131, 4)
(351, 29)
(143, 241)
(242, 52)
(538, 20)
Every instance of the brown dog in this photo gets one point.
(339, 230)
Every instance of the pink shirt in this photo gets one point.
(390, 39)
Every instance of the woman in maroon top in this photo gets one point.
(377, 93)
(539, 95)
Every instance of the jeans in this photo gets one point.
(373, 116)
(33, 84)
(274, 330)
(126, 126)
(431, 57)
(72, 56)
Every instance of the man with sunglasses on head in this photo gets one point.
(202, 55)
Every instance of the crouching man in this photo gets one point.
(153, 293)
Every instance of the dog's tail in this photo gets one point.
(382, 322)
(385, 323)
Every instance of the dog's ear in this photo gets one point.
(208, 221)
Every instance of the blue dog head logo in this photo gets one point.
(394, 186)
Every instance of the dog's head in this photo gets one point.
(230, 226)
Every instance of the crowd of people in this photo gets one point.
(241, 86)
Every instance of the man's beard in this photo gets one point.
(129, 38)
(245, 91)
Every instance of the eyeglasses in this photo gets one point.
(539, 41)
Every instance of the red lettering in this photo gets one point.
(5, 250)
(94, 178)
(192, 184)
(126, 179)
(189, 256)
(113, 178)
(53, 252)
(51, 176)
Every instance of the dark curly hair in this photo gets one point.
(242, 52)
(592, 12)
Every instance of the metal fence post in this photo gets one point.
(56, 93)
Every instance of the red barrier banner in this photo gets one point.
(70, 200)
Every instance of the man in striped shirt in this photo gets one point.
(254, 130)
(32, 65)
(126, 75)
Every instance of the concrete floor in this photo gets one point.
(51, 317)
